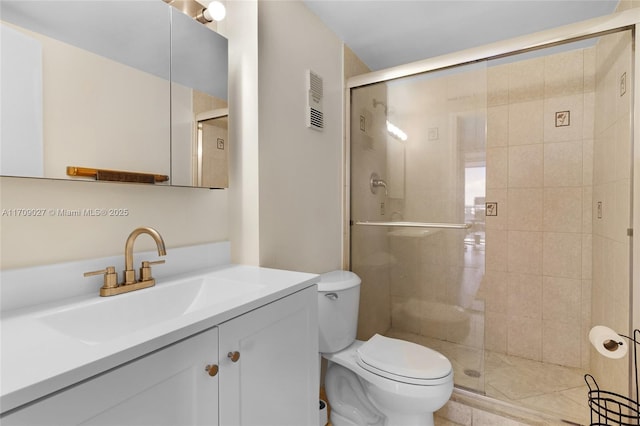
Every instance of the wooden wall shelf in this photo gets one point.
(116, 175)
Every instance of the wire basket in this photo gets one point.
(608, 408)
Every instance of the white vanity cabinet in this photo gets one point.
(168, 387)
(273, 380)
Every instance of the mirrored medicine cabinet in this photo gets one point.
(120, 85)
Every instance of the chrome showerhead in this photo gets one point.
(377, 102)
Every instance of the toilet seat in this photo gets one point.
(403, 361)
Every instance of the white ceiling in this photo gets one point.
(386, 33)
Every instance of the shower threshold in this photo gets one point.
(516, 415)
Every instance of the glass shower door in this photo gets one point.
(418, 211)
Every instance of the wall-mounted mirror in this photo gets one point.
(198, 59)
(113, 84)
(212, 149)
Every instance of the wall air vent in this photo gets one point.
(315, 116)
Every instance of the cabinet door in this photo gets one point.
(168, 387)
(275, 380)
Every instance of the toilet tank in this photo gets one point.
(338, 301)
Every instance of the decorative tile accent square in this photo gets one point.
(623, 84)
(491, 209)
(563, 118)
(433, 134)
(220, 143)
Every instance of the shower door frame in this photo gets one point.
(621, 21)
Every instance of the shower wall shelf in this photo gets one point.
(417, 225)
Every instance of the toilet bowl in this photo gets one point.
(382, 381)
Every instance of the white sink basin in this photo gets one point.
(111, 317)
(89, 334)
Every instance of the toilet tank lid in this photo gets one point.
(338, 280)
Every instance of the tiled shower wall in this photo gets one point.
(547, 251)
(611, 202)
(370, 256)
(435, 275)
(415, 280)
(537, 285)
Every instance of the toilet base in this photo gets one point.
(338, 420)
(353, 402)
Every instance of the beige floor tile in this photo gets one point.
(551, 389)
(578, 394)
(559, 404)
(439, 421)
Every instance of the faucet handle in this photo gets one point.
(110, 276)
(145, 270)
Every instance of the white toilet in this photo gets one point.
(383, 381)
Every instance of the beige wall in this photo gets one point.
(183, 216)
(300, 184)
(241, 29)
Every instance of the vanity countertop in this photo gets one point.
(48, 347)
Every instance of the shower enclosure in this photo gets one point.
(490, 209)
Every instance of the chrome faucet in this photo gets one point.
(130, 283)
(375, 182)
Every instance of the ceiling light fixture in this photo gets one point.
(214, 12)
